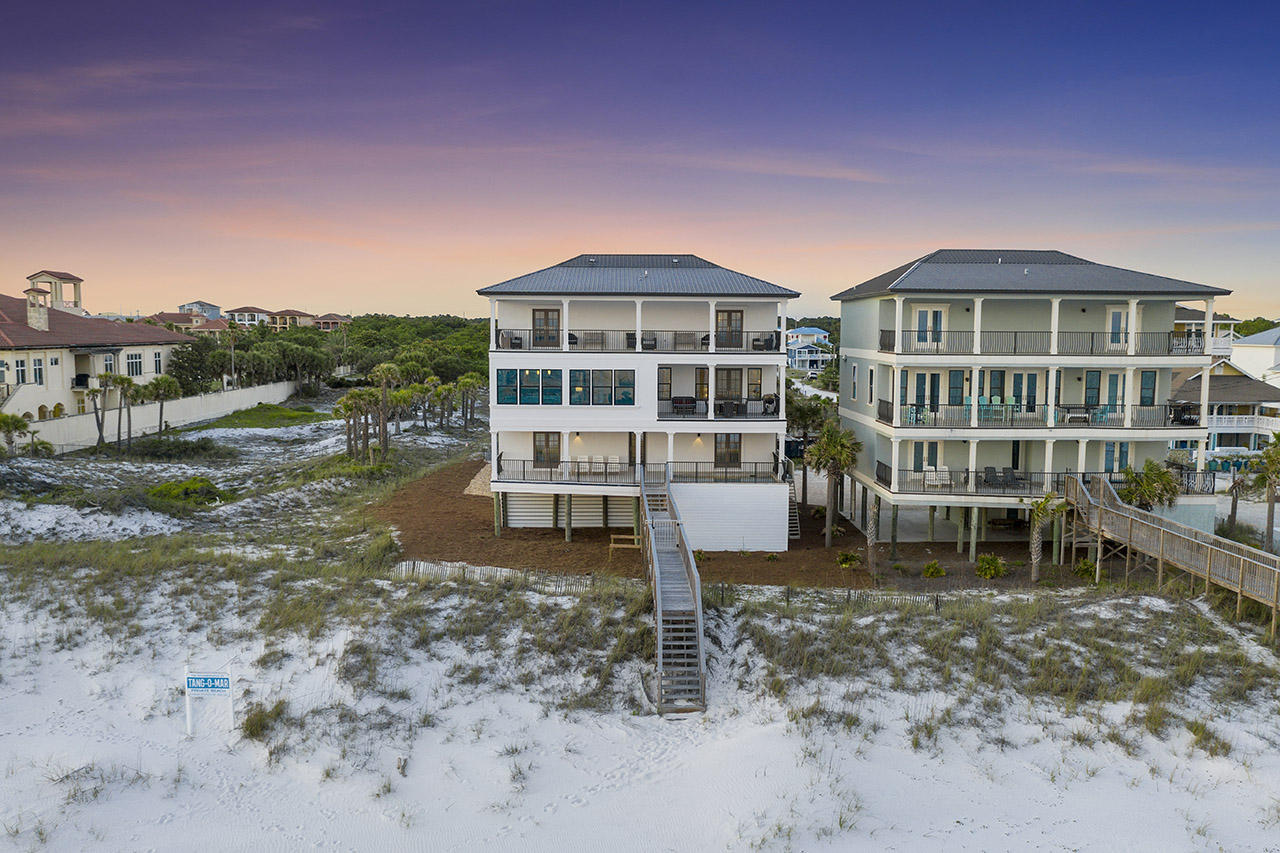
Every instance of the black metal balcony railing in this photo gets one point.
(766, 408)
(1007, 481)
(763, 341)
(939, 342)
(80, 381)
(674, 341)
(602, 340)
(936, 342)
(528, 339)
(682, 407)
(1032, 416)
(578, 471)
(712, 472)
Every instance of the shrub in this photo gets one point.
(39, 447)
(1086, 569)
(195, 490)
(847, 559)
(1241, 532)
(259, 719)
(990, 567)
(168, 449)
(772, 558)
(933, 570)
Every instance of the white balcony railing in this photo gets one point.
(1244, 423)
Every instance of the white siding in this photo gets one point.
(723, 517)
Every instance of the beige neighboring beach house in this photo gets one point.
(51, 353)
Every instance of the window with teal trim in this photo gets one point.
(579, 387)
(506, 387)
(551, 388)
(529, 388)
(602, 387)
(624, 387)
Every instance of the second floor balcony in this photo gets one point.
(1031, 342)
(996, 414)
(646, 340)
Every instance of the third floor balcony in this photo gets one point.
(1074, 343)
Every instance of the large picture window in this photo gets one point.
(700, 383)
(579, 387)
(755, 378)
(624, 387)
(133, 364)
(506, 387)
(728, 450)
(552, 388)
(664, 383)
(37, 371)
(602, 387)
(530, 388)
(1147, 390)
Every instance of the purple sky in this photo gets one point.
(396, 156)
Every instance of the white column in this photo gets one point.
(1051, 394)
(780, 376)
(897, 324)
(893, 471)
(1133, 326)
(564, 324)
(1080, 451)
(894, 379)
(1128, 397)
(639, 449)
(1208, 328)
(973, 396)
(711, 388)
(566, 449)
(671, 446)
(493, 449)
(977, 325)
(1204, 403)
(1055, 305)
(973, 464)
(1202, 449)
(711, 321)
(493, 323)
(1048, 464)
(639, 323)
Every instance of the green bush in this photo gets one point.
(847, 559)
(170, 449)
(196, 490)
(1086, 569)
(259, 719)
(990, 567)
(933, 570)
(1246, 534)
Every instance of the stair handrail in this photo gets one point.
(695, 581)
(651, 559)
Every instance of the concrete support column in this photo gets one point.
(711, 321)
(1128, 397)
(493, 324)
(973, 465)
(568, 518)
(895, 380)
(782, 392)
(973, 396)
(973, 533)
(1133, 326)
(639, 323)
(711, 389)
(1082, 446)
(1048, 465)
(893, 471)
(671, 447)
(960, 523)
(1204, 394)
(566, 448)
(1055, 304)
(1051, 395)
(932, 511)
(564, 324)
(898, 332)
(893, 532)
(977, 325)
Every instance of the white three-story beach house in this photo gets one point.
(977, 379)
(607, 369)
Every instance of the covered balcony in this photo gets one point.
(715, 392)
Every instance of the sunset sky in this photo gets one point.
(395, 156)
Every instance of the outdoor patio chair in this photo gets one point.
(648, 341)
(990, 477)
(944, 476)
(631, 340)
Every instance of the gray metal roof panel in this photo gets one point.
(636, 275)
(1020, 271)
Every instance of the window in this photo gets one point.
(546, 327)
(955, 387)
(755, 378)
(20, 371)
(108, 363)
(700, 383)
(1092, 385)
(37, 371)
(579, 387)
(624, 387)
(728, 383)
(664, 383)
(1147, 390)
(871, 385)
(729, 329)
(853, 383)
(156, 362)
(1115, 456)
(997, 383)
(506, 386)
(924, 453)
(602, 387)
(728, 450)
(546, 449)
(133, 363)
(552, 389)
(529, 388)
(53, 362)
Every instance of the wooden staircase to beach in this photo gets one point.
(677, 602)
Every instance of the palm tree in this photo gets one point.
(12, 427)
(105, 381)
(164, 387)
(804, 415)
(835, 452)
(94, 394)
(133, 393)
(1266, 476)
(1153, 486)
(467, 385)
(1039, 515)
(401, 403)
(387, 375)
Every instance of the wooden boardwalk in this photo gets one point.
(1098, 512)
(677, 603)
